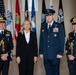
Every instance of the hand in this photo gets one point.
(71, 57)
(18, 60)
(59, 56)
(35, 59)
(4, 56)
(41, 56)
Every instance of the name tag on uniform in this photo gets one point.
(7, 34)
(55, 29)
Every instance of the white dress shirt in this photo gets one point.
(27, 36)
(50, 24)
(1, 31)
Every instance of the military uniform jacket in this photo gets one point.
(71, 45)
(51, 40)
(6, 43)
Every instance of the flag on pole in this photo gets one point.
(33, 17)
(26, 10)
(61, 15)
(43, 12)
(2, 9)
(17, 19)
(51, 5)
(9, 22)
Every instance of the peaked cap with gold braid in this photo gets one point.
(2, 19)
(73, 20)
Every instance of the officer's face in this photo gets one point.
(27, 25)
(74, 27)
(49, 18)
(2, 26)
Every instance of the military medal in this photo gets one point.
(71, 47)
(42, 30)
(55, 35)
(2, 44)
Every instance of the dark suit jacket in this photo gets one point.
(8, 43)
(23, 49)
(51, 41)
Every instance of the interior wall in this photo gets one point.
(69, 8)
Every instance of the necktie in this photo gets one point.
(2, 32)
(49, 26)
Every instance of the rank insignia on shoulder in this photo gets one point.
(8, 32)
(42, 30)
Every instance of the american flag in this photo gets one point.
(2, 9)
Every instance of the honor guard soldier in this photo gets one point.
(6, 45)
(71, 48)
(51, 43)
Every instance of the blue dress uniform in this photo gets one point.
(71, 49)
(51, 44)
(6, 45)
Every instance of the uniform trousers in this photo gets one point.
(26, 66)
(52, 66)
(72, 67)
(4, 67)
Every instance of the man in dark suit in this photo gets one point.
(51, 43)
(6, 45)
(71, 48)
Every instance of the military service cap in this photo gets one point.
(73, 20)
(2, 19)
(49, 12)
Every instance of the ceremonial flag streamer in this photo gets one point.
(43, 12)
(33, 17)
(9, 22)
(17, 19)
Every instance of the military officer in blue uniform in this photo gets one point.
(51, 47)
(71, 48)
(6, 45)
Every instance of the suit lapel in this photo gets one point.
(31, 37)
(71, 36)
(25, 37)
